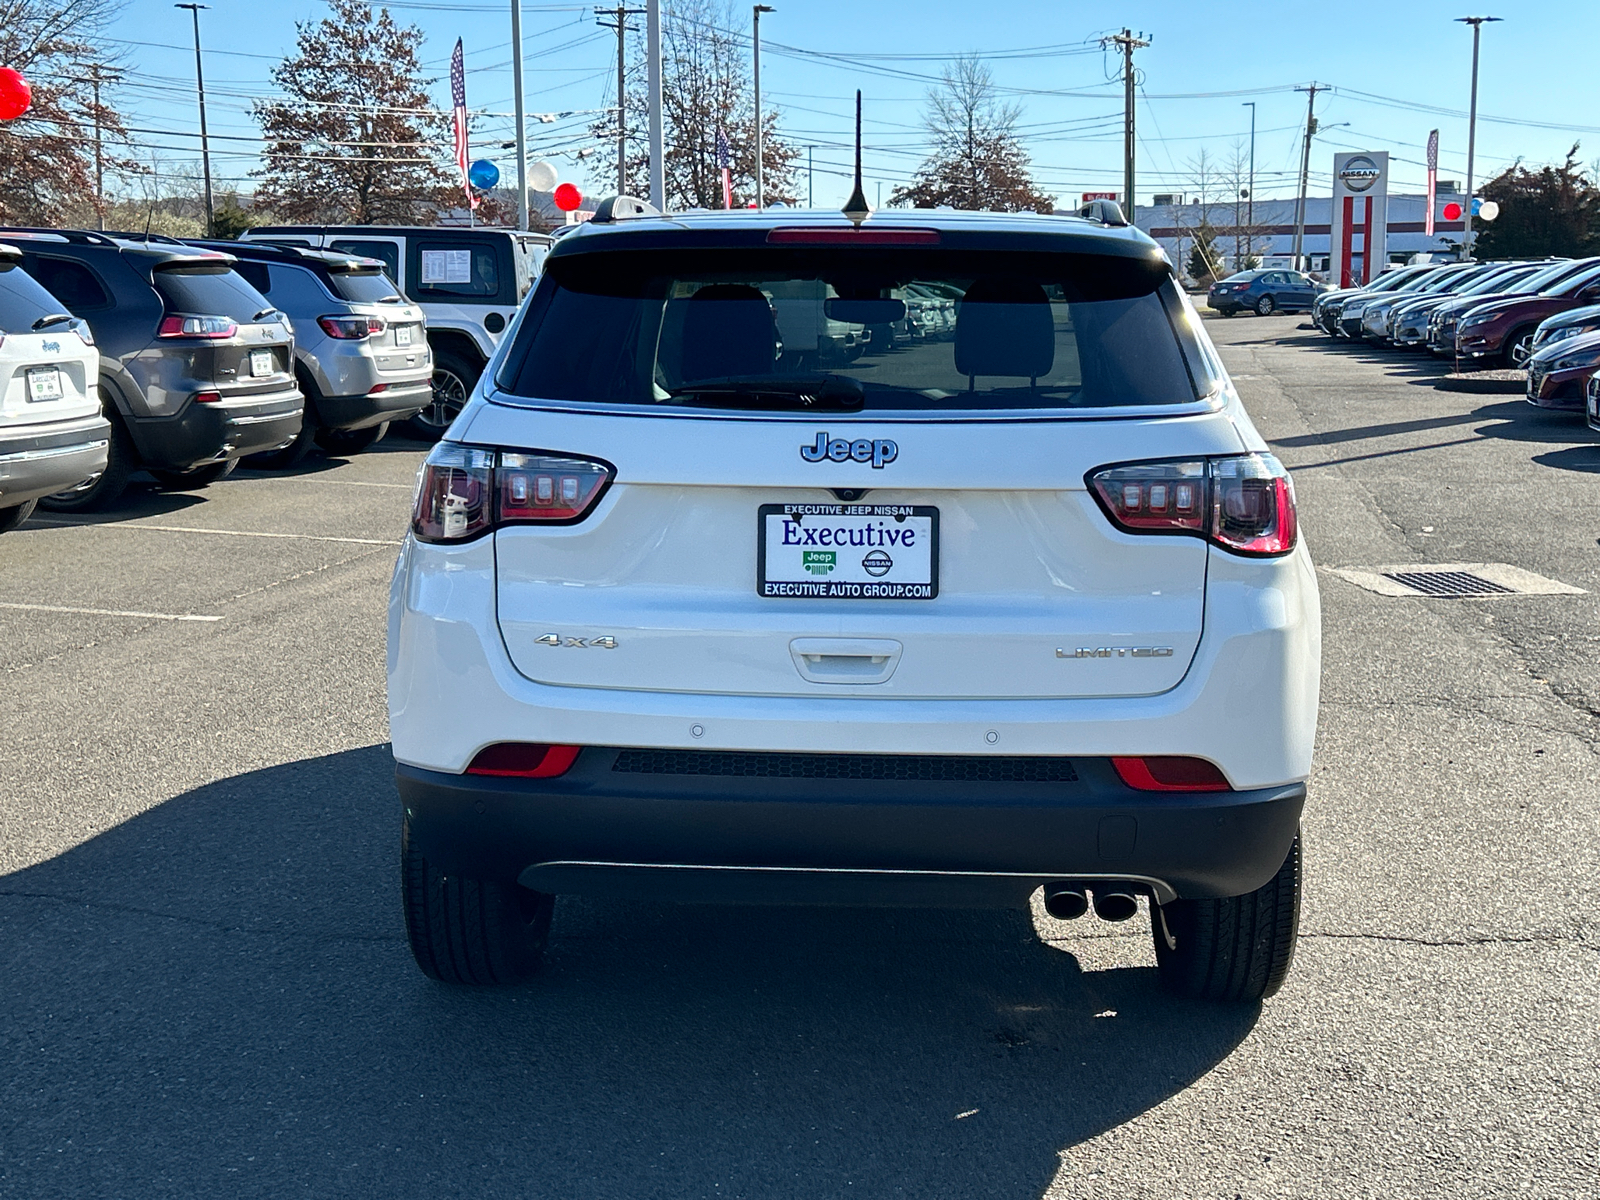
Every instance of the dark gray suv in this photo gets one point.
(196, 368)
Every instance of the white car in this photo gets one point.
(53, 435)
(1025, 609)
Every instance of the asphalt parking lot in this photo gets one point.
(205, 987)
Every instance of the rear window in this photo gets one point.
(923, 330)
(388, 253)
(70, 282)
(23, 301)
(364, 287)
(209, 292)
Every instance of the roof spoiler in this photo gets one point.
(1107, 212)
(615, 208)
(10, 253)
(84, 237)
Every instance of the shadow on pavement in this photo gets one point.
(216, 998)
(142, 498)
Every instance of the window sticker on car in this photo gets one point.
(446, 266)
(849, 551)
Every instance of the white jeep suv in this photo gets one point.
(685, 612)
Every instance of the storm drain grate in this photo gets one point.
(943, 768)
(1449, 584)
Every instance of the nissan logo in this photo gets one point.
(1359, 173)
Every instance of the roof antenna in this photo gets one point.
(148, 213)
(856, 207)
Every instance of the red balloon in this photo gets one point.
(16, 97)
(568, 197)
(1452, 211)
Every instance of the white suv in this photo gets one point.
(685, 613)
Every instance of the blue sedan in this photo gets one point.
(1263, 292)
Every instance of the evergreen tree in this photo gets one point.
(977, 161)
(1554, 210)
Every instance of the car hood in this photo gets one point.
(1585, 345)
(1589, 314)
(1456, 306)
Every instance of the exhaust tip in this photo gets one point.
(1115, 902)
(1064, 902)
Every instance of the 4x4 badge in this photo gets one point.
(876, 451)
(554, 639)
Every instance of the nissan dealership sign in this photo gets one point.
(1359, 232)
(1359, 173)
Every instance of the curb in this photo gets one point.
(1484, 382)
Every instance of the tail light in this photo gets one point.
(465, 491)
(1171, 773)
(216, 328)
(351, 328)
(1244, 503)
(524, 760)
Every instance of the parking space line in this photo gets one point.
(109, 612)
(303, 537)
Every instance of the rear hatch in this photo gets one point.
(47, 370)
(920, 527)
(235, 341)
(402, 344)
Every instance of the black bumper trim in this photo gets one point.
(364, 411)
(598, 831)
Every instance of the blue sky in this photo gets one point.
(1537, 89)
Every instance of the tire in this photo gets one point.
(1239, 948)
(295, 452)
(102, 490)
(471, 931)
(197, 478)
(1266, 306)
(1519, 349)
(453, 381)
(345, 442)
(11, 517)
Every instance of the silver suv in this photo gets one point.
(361, 351)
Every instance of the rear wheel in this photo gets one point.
(1266, 306)
(453, 381)
(1519, 349)
(102, 490)
(11, 517)
(1238, 948)
(197, 478)
(470, 930)
(345, 442)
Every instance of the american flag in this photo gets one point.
(725, 161)
(458, 101)
(1433, 180)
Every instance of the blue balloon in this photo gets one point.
(483, 174)
(1476, 205)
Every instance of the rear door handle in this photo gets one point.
(845, 660)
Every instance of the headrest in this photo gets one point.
(1004, 327)
(728, 329)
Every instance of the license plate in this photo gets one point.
(848, 551)
(402, 335)
(44, 383)
(261, 363)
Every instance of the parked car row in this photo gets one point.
(122, 352)
(1541, 317)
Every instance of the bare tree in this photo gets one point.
(47, 156)
(1205, 179)
(977, 161)
(705, 88)
(1236, 181)
(355, 137)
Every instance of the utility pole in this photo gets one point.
(755, 37)
(1250, 208)
(811, 178)
(658, 165)
(621, 26)
(1305, 169)
(521, 117)
(1128, 44)
(1477, 24)
(98, 76)
(205, 140)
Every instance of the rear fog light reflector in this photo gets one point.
(524, 760)
(1171, 773)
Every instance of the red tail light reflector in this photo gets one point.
(1171, 773)
(1243, 503)
(376, 388)
(465, 491)
(524, 760)
(208, 397)
(215, 328)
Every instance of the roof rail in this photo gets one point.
(82, 237)
(1107, 212)
(614, 208)
(132, 235)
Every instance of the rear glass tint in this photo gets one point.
(919, 330)
(364, 287)
(388, 253)
(23, 301)
(209, 292)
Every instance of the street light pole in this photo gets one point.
(658, 164)
(1305, 170)
(205, 140)
(521, 117)
(1477, 24)
(755, 37)
(1250, 206)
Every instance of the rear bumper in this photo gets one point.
(204, 433)
(598, 830)
(40, 460)
(362, 411)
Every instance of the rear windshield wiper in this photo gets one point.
(265, 312)
(803, 393)
(52, 319)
